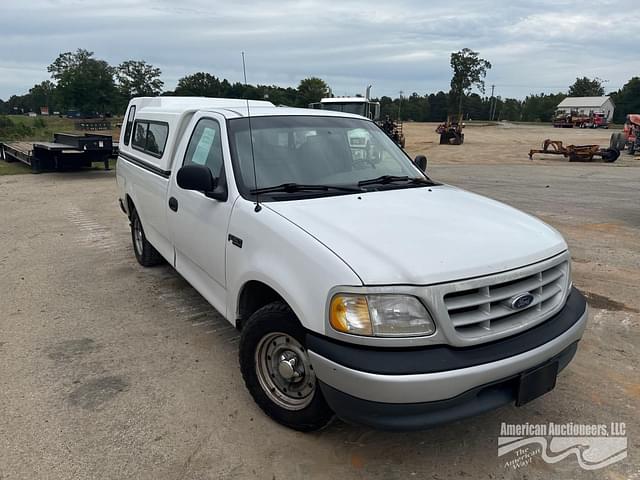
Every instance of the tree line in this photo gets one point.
(539, 107)
(83, 84)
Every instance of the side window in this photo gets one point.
(129, 127)
(150, 137)
(140, 135)
(156, 138)
(205, 146)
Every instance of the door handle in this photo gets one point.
(173, 204)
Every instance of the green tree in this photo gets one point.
(18, 104)
(627, 100)
(137, 78)
(586, 87)
(281, 96)
(439, 104)
(43, 95)
(509, 109)
(542, 107)
(201, 84)
(311, 90)
(469, 70)
(84, 83)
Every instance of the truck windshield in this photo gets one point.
(317, 151)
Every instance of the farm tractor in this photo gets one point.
(365, 107)
(451, 131)
(629, 138)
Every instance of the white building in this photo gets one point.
(586, 105)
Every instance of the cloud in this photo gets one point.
(401, 45)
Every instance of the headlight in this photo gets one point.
(380, 315)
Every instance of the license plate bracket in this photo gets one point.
(536, 383)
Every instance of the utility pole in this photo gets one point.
(400, 106)
(492, 105)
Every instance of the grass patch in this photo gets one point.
(100, 166)
(13, 168)
(19, 128)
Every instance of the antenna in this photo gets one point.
(253, 157)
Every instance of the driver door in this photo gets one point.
(198, 224)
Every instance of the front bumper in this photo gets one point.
(418, 388)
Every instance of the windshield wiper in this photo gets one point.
(385, 179)
(299, 187)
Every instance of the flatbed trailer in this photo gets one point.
(66, 151)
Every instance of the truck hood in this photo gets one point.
(423, 235)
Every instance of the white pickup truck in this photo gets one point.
(361, 287)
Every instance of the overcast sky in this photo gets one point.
(534, 46)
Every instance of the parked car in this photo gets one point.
(361, 286)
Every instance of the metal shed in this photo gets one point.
(587, 105)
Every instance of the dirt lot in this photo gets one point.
(111, 371)
(505, 143)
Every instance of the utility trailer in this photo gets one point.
(576, 153)
(66, 151)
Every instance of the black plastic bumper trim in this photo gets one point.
(419, 416)
(438, 358)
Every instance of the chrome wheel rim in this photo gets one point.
(137, 236)
(284, 371)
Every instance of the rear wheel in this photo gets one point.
(146, 254)
(622, 141)
(277, 371)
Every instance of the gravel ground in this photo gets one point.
(111, 371)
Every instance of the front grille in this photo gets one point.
(485, 310)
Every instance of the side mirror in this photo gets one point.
(200, 179)
(420, 162)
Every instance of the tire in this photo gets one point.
(146, 254)
(273, 332)
(622, 141)
(610, 155)
(613, 140)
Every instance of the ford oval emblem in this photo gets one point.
(521, 300)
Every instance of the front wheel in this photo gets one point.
(277, 372)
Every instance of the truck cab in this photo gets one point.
(356, 105)
(362, 287)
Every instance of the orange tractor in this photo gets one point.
(629, 138)
(451, 131)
